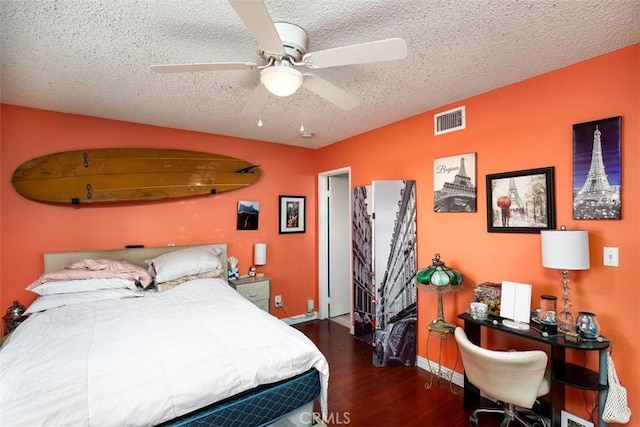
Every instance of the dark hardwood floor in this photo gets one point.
(362, 395)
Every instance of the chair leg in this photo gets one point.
(510, 413)
(474, 416)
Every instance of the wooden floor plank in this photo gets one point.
(363, 395)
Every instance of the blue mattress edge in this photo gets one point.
(259, 406)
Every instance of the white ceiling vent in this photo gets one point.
(449, 121)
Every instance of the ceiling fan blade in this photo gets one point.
(381, 50)
(330, 92)
(256, 18)
(256, 101)
(213, 66)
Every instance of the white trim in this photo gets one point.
(323, 213)
(457, 378)
(301, 318)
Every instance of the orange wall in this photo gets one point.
(28, 228)
(522, 126)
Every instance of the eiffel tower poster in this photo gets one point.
(596, 169)
(454, 183)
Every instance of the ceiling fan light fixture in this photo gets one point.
(281, 80)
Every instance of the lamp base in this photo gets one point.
(260, 274)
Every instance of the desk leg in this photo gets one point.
(602, 379)
(471, 397)
(557, 388)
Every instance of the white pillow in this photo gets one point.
(83, 285)
(185, 262)
(58, 300)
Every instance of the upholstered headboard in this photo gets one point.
(137, 256)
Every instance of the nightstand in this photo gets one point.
(255, 289)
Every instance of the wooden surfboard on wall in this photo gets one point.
(130, 174)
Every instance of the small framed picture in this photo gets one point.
(248, 212)
(570, 420)
(293, 212)
(521, 201)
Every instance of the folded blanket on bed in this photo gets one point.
(96, 269)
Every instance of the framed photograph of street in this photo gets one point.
(454, 183)
(596, 169)
(292, 214)
(521, 201)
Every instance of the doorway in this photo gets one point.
(334, 245)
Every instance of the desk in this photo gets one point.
(562, 373)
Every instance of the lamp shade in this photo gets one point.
(281, 80)
(565, 249)
(438, 277)
(260, 254)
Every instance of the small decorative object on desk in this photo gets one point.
(548, 314)
(478, 310)
(489, 293)
(587, 326)
(571, 336)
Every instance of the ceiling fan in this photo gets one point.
(284, 48)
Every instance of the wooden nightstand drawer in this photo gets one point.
(256, 290)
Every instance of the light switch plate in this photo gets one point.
(610, 257)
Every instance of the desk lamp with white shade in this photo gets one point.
(565, 250)
(260, 258)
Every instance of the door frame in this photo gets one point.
(323, 244)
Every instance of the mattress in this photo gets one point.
(257, 407)
(147, 360)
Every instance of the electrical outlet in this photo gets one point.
(610, 257)
(278, 301)
(309, 306)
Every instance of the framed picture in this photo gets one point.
(248, 215)
(521, 201)
(570, 420)
(454, 183)
(596, 169)
(292, 214)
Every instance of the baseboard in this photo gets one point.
(301, 318)
(457, 378)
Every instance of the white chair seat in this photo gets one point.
(515, 378)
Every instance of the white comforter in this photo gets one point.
(142, 361)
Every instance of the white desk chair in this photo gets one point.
(515, 378)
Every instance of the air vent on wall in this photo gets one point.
(449, 121)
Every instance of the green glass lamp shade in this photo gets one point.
(440, 278)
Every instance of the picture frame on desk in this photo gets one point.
(521, 201)
(569, 420)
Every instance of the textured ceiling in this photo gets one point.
(92, 57)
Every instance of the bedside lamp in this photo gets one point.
(259, 257)
(565, 250)
(439, 278)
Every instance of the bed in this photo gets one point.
(196, 353)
